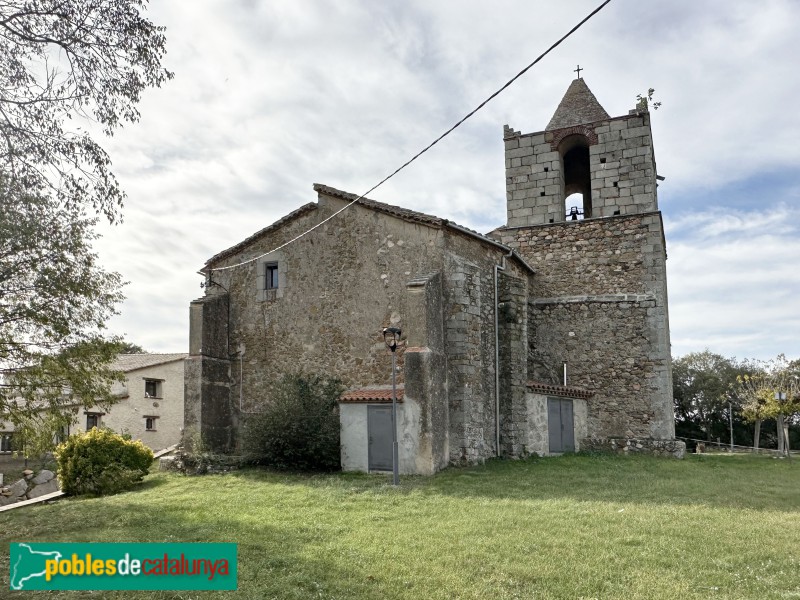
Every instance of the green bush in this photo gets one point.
(101, 462)
(299, 429)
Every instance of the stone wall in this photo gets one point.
(340, 286)
(31, 486)
(513, 325)
(600, 303)
(622, 170)
(670, 448)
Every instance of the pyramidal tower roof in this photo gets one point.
(578, 106)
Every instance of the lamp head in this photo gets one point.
(390, 336)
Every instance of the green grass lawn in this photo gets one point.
(713, 526)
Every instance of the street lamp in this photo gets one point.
(391, 335)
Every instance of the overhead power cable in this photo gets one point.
(426, 148)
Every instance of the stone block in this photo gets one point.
(46, 488)
(43, 477)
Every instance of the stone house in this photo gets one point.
(149, 403)
(488, 321)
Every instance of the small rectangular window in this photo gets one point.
(5, 442)
(150, 423)
(152, 388)
(92, 420)
(271, 276)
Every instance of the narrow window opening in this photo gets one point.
(574, 152)
(602, 161)
(615, 184)
(150, 423)
(546, 169)
(271, 276)
(541, 193)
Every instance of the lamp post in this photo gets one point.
(391, 335)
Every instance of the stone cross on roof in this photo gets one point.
(578, 71)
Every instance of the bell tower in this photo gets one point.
(583, 212)
(584, 165)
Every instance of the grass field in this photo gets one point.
(713, 526)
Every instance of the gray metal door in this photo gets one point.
(560, 425)
(379, 430)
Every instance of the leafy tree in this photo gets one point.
(54, 300)
(771, 390)
(300, 427)
(703, 386)
(131, 348)
(65, 67)
(63, 62)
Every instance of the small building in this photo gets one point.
(546, 334)
(149, 403)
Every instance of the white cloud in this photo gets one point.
(271, 97)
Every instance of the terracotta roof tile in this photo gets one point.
(250, 239)
(372, 395)
(559, 390)
(131, 362)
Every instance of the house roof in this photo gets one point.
(273, 227)
(372, 395)
(418, 217)
(578, 106)
(131, 362)
(564, 391)
(395, 211)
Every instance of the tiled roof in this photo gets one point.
(131, 362)
(578, 106)
(396, 211)
(417, 217)
(372, 395)
(248, 240)
(559, 390)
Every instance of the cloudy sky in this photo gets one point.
(271, 97)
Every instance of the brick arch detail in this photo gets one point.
(583, 130)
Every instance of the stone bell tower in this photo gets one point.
(609, 161)
(583, 211)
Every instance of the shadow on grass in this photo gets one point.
(752, 482)
(274, 560)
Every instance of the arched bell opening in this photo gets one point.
(574, 151)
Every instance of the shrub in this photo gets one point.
(299, 429)
(101, 462)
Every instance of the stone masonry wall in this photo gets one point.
(622, 167)
(600, 303)
(339, 286)
(513, 322)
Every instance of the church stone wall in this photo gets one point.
(339, 287)
(600, 303)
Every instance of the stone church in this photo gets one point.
(547, 335)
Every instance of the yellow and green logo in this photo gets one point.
(96, 566)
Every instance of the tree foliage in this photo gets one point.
(100, 462)
(759, 388)
(65, 64)
(54, 301)
(300, 427)
(703, 385)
